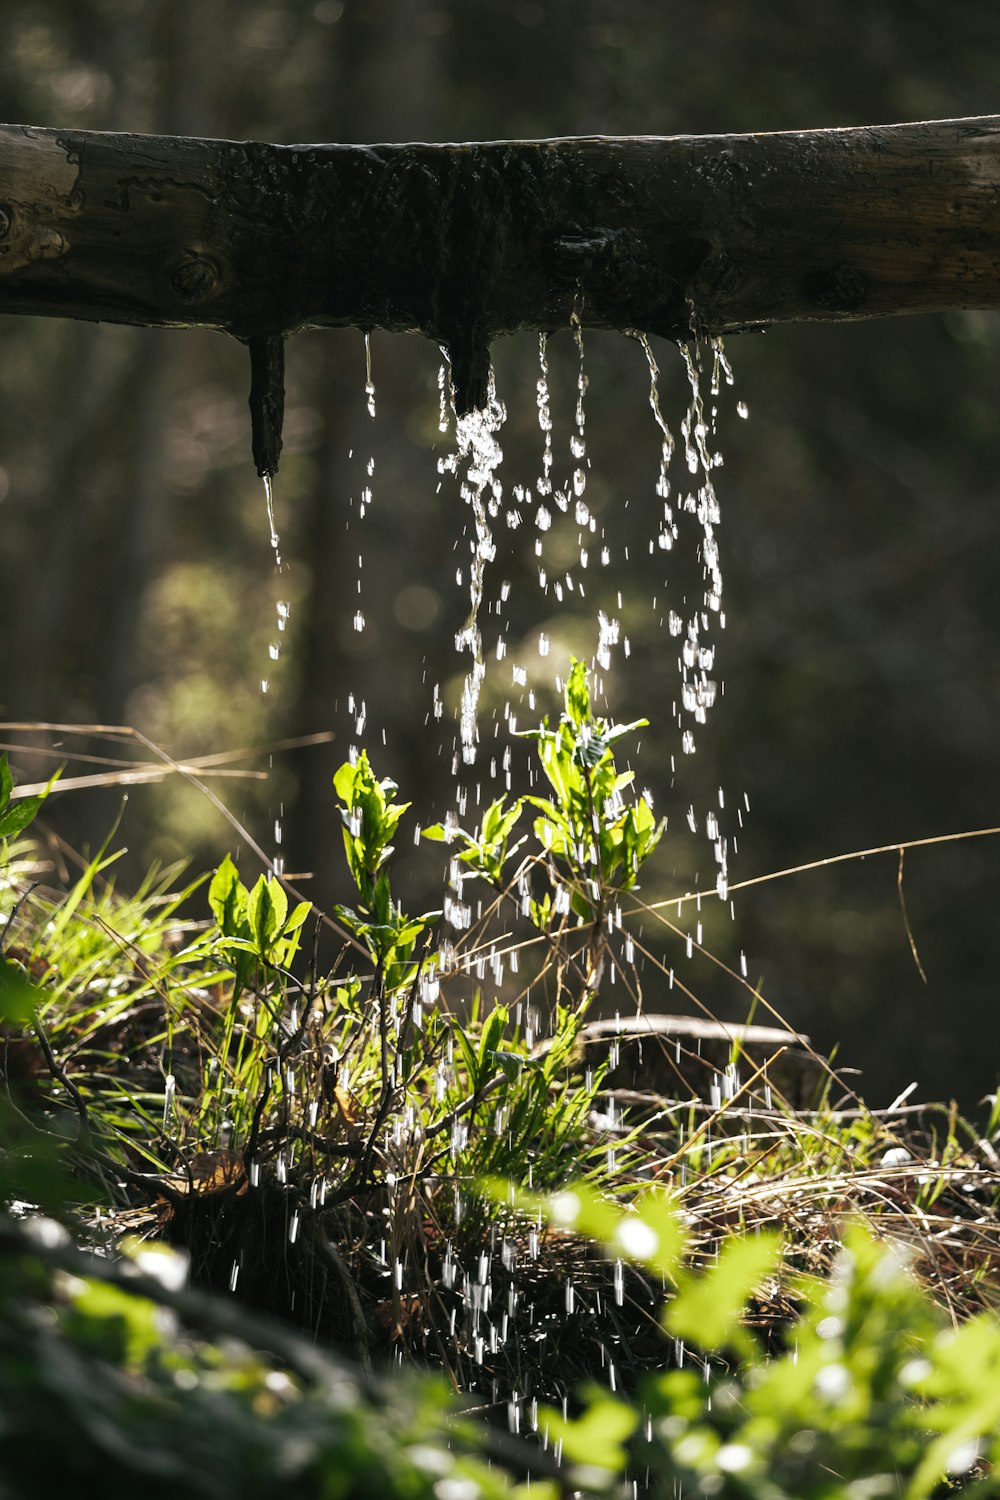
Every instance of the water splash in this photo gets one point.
(578, 440)
(668, 533)
(544, 484)
(478, 450)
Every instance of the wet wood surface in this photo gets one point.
(679, 236)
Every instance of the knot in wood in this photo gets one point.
(721, 275)
(6, 219)
(196, 278)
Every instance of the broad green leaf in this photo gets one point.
(18, 996)
(267, 907)
(708, 1308)
(581, 907)
(299, 914)
(238, 945)
(598, 1437)
(382, 900)
(227, 897)
(510, 1064)
(408, 932)
(343, 782)
(15, 819)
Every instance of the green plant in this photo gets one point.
(156, 1387)
(591, 844)
(335, 1125)
(15, 817)
(873, 1393)
(317, 1139)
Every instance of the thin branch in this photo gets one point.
(60, 1074)
(817, 864)
(906, 921)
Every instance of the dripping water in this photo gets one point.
(283, 611)
(478, 449)
(369, 382)
(272, 528)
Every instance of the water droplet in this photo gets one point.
(272, 528)
(369, 382)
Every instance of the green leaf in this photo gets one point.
(581, 907)
(299, 914)
(227, 897)
(567, 1030)
(708, 1309)
(267, 907)
(541, 912)
(493, 1029)
(598, 1437)
(237, 945)
(578, 693)
(382, 900)
(407, 933)
(18, 996)
(510, 1064)
(615, 733)
(14, 818)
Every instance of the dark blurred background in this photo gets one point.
(860, 523)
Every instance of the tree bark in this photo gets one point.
(680, 236)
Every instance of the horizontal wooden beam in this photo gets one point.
(680, 236)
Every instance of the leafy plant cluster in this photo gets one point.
(393, 1156)
(296, 1131)
(875, 1392)
(160, 1390)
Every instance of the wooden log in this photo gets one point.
(681, 236)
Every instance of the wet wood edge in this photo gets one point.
(682, 236)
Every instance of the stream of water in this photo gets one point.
(554, 513)
(553, 510)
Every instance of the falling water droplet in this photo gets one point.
(369, 382)
(478, 448)
(272, 528)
